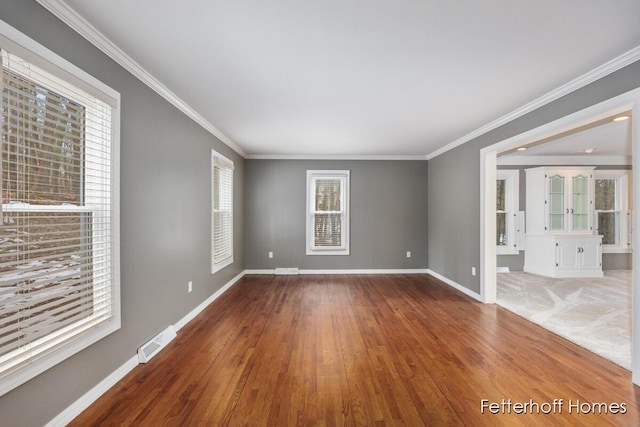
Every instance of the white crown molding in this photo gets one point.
(332, 157)
(615, 64)
(564, 160)
(61, 10)
(70, 17)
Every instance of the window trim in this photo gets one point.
(225, 162)
(512, 205)
(38, 55)
(623, 182)
(344, 176)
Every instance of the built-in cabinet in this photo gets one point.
(559, 240)
(564, 256)
(579, 252)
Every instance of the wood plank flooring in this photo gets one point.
(364, 350)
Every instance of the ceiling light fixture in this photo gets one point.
(621, 118)
(589, 150)
(521, 149)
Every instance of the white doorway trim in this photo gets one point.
(629, 101)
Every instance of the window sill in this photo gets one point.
(500, 250)
(327, 251)
(65, 350)
(219, 266)
(615, 250)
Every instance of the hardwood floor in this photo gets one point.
(364, 350)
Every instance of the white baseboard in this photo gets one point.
(367, 271)
(272, 271)
(457, 286)
(72, 411)
(287, 271)
(350, 271)
(193, 313)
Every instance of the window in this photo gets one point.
(328, 212)
(612, 213)
(59, 284)
(221, 212)
(509, 222)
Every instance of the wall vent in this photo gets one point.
(287, 270)
(157, 343)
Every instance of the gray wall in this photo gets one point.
(516, 262)
(454, 200)
(165, 212)
(454, 219)
(165, 222)
(388, 214)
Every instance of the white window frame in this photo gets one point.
(220, 161)
(623, 206)
(65, 342)
(344, 177)
(511, 204)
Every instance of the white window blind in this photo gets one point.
(221, 212)
(56, 218)
(327, 212)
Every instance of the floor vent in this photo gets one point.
(153, 347)
(287, 271)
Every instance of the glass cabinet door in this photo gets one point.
(556, 203)
(580, 203)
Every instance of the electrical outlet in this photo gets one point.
(270, 254)
(473, 271)
(189, 286)
(408, 254)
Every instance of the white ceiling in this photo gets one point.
(356, 77)
(611, 139)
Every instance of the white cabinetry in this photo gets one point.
(559, 200)
(559, 238)
(564, 256)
